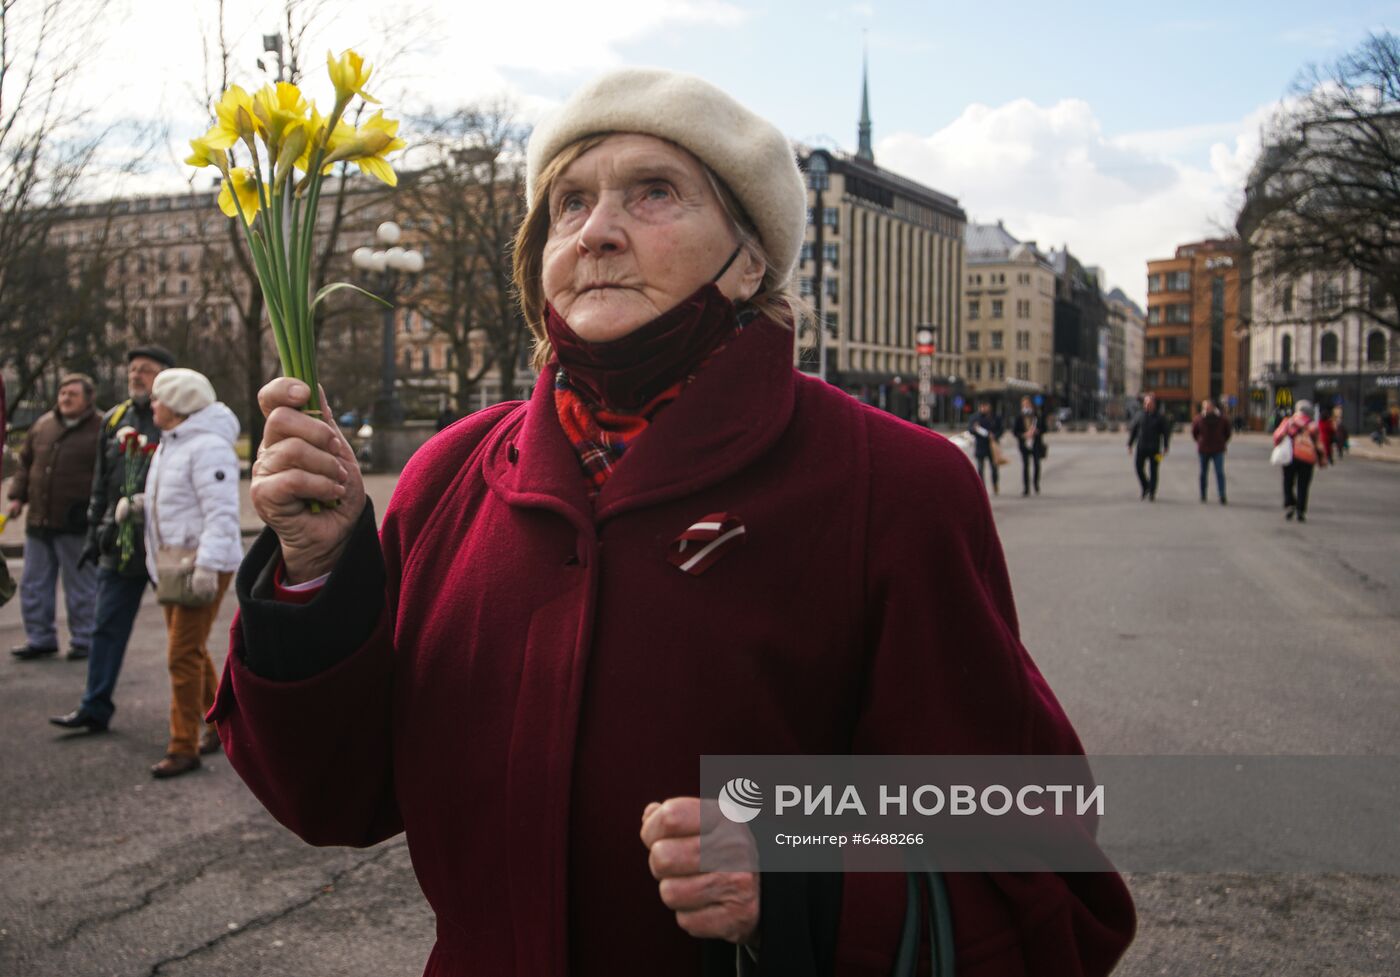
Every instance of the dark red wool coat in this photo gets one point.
(539, 672)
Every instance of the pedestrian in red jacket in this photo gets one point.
(678, 546)
(1212, 432)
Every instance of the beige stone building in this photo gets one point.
(1008, 318)
(883, 255)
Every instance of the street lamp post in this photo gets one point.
(924, 335)
(390, 272)
(819, 179)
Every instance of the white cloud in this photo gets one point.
(1053, 176)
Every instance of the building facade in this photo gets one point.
(1080, 320)
(1126, 324)
(1008, 318)
(1195, 345)
(1309, 340)
(883, 255)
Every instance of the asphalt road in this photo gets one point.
(1166, 627)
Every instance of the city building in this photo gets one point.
(1126, 328)
(1310, 339)
(883, 255)
(1195, 342)
(1080, 320)
(1008, 318)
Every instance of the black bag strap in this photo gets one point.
(940, 919)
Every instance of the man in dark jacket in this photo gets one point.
(120, 583)
(1151, 431)
(52, 481)
(1211, 431)
(986, 428)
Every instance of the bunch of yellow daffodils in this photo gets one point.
(285, 134)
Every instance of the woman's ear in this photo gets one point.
(751, 270)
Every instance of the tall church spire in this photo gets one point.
(864, 150)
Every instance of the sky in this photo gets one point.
(1119, 129)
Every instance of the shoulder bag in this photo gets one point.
(175, 569)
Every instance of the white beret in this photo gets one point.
(747, 153)
(183, 391)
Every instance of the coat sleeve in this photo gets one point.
(304, 704)
(214, 474)
(947, 674)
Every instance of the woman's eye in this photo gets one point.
(658, 191)
(571, 204)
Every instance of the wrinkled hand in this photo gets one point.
(204, 583)
(303, 459)
(133, 508)
(708, 905)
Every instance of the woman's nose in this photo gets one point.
(603, 231)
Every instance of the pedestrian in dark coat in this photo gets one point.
(986, 429)
(678, 546)
(121, 575)
(1151, 432)
(1029, 431)
(1212, 433)
(55, 465)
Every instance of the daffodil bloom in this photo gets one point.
(206, 155)
(349, 74)
(242, 183)
(279, 108)
(294, 145)
(235, 119)
(316, 129)
(372, 141)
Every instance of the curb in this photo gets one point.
(13, 551)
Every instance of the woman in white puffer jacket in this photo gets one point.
(191, 502)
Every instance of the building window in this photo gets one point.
(1328, 350)
(1287, 354)
(1023, 308)
(1154, 284)
(427, 360)
(1154, 315)
(830, 284)
(996, 339)
(1331, 296)
(1180, 312)
(976, 369)
(829, 217)
(804, 287)
(806, 252)
(1375, 347)
(1176, 346)
(831, 252)
(1287, 299)
(996, 308)
(1150, 347)
(974, 309)
(1178, 281)
(974, 341)
(1023, 278)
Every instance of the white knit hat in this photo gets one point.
(183, 391)
(749, 154)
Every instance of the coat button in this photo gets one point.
(512, 453)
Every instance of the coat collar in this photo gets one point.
(733, 411)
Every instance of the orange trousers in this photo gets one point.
(192, 677)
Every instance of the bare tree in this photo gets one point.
(48, 150)
(1324, 198)
(467, 200)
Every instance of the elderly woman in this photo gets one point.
(190, 506)
(524, 667)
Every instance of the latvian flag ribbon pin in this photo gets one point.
(700, 547)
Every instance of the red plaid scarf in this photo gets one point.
(601, 434)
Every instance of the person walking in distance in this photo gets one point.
(1326, 433)
(1301, 429)
(986, 428)
(1211, 432)
(1151, 432)
(121, 574)
(1029, 432)
(55, 465)
(1339, 426)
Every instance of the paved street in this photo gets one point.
(1170, 627)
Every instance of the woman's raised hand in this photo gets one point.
(303, 459)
